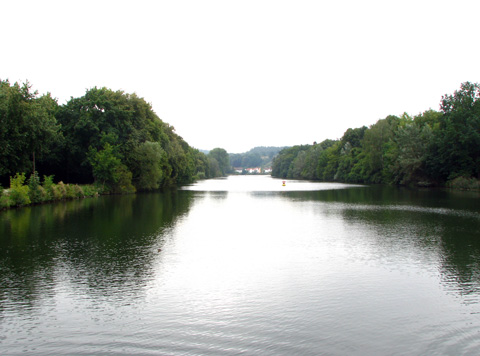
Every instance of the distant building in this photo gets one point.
(255, 170)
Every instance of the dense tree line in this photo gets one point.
(432, 148)
(109, 137)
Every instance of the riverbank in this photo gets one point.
(29, 192)
(459, 183)
(21, 193)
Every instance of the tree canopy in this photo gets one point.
(111, 137)
(432, 148)
(28, 128)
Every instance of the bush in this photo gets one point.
(59, 191)
(18, 191)
(199, 176)
(48, 187)
(20, 194)
(70, 191)
(34, 192)
(464, 183)
(124, 182)
(78, 191)
(89, 191)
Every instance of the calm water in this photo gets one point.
(244, 266)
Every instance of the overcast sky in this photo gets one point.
(240, 74)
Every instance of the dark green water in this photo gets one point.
(244, 266)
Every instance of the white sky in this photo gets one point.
(240, 74)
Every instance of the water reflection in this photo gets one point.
(262, 270)
(422, 224)
(104, 246)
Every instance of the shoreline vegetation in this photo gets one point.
(431, 149)
(22, 193)
(105, 142)
(111, 142)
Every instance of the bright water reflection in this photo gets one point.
(244, 266)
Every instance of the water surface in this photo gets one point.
(244, 265)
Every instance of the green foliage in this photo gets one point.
(282, 164)
(36, 193)
(149, 158)
(455, 150)
(464, 183)
(89, 190)
(310, 162)
(116, 140)
(18, 191)
(202, 168)
(181, 161)
(200, 176)
(123, 183)
(33, 192)
(256, 157)
(105, 164)
(375, 144)
(47, 185)
(106, 136)
(59, 191)
(409, 160)
(297, 165)
(214, 167)
(223, 160)
(28, 128)
(330, 162)
(128, 124)
(431, 148)
(70, 192)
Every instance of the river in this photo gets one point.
(244, 266)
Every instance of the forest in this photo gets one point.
(433, 148)
(110, 138)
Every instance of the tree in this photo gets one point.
(214, 167)
(28, 128)
(311, 159)
(354, 136)
(284, 159)
(297, 166)
(221, 156)
(202, 169)
(101, 112)
(109, 170)
(351, 147)
(251, 159)
(236, 159)
(149, 158)
(104, 165)
(374, 144)
(328, 162)
(455, 151)
(413, 143)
